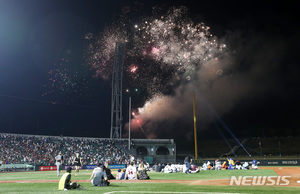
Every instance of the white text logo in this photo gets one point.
(260, 180)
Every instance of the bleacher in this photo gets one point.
(41, 150)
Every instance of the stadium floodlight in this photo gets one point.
(116, 98)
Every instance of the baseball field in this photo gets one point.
(265, 180)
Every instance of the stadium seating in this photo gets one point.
(41, 150)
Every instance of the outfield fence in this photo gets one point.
(262, 162)
(16, 167)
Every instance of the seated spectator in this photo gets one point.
(194, 168)
(65, 181)
(231, 164)
(147, 165)
(123, 174)
(39, 150)
(204, 166)
(218, 164)
(142, 175)
(238, 165)
(168, 168)
(100, 177)
(173, 167)
(131, 173)
(108, 172)
(254, 164)
(158, 168)
(224, 167)
(246, 166)
(98, 168)
(119, 175)
(209, 166)
(141, 166)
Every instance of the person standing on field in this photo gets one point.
(59, 161)
(78, 163)
(187, 164)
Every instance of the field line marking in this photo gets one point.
(111, 192)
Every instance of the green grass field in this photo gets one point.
(141, 186)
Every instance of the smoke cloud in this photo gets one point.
(249, 68)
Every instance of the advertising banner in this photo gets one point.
(47, 168)
(117, 166)
(73, 167)
(90, 166)
(113, 166)
(283, 162)
(265, 162)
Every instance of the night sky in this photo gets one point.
(38, 37)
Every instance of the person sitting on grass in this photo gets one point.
(173, 167)
(218, 164)
(108, 172)
(131, 173)
(119, 174)
(194, 168)
(224, 167)
(254, 164)
(168, 168)
(238, 165)
(123, 174)
(231, 164)
(98, 168)
(142, 174)
(204, 166)
(209, 165)
(65, 181)
(246, 166)
(100, 177)
(141, 166)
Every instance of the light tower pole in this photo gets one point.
(129, 126)
(195, 128)
(116, 97)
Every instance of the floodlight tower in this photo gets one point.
(116, 98)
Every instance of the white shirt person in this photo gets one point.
(131, 172)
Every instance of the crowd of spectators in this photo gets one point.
(41, 150)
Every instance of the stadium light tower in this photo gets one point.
(116, 98)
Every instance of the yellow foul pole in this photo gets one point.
(195, 130)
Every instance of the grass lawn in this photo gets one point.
(212, 174)
(141, 187)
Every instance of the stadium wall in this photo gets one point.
(156, 150)
(263, 162)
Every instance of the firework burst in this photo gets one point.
(162, 52)
(163, 48)
(67, 82)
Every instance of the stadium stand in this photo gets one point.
(41, 150)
